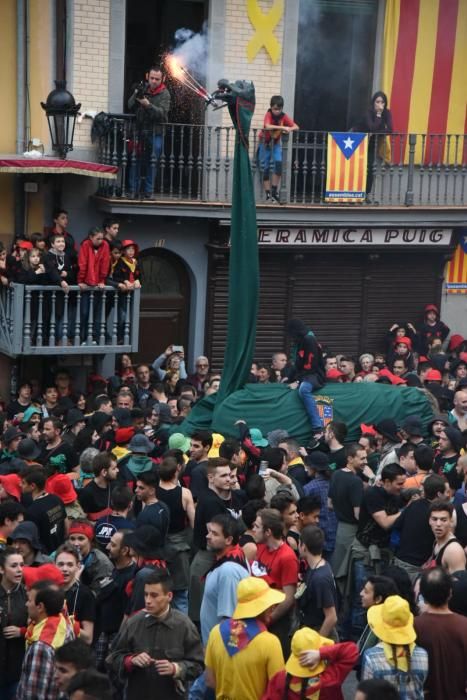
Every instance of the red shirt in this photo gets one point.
(278, 567)
(271, 120)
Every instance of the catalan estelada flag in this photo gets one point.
(456, 269)
(346, 167)
(424, 74)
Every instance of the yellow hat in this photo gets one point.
(303, 640)
(392, 621)
(217, 440)
(254, 596)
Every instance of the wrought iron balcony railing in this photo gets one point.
(194, 163)
(39, 320)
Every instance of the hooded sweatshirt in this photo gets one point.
(138, 464)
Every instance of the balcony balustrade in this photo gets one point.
(194, 163)
(39, 320)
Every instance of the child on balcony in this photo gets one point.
(126, 274)
(276, 123)
(14, 265)
(61, 272)
(126, 271)
(39, 241)
(93, 269)
(32, 268)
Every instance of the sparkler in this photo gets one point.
(181, 74)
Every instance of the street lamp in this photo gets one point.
(61, 111)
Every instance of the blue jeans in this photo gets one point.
(200, 691)
(360, 575)
(265, 151)
(180, 601)
(145, 163)
(305, 391)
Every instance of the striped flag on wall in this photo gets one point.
(424, 72)
(346, 167)
(456, 269)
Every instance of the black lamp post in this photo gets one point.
(61, 111)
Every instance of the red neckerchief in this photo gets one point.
(157, 90)
(234, 553)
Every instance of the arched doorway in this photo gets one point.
(165, 303)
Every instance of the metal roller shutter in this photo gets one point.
(327, 295)
(348, 298)
(399, 285)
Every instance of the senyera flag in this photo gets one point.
(456, 269)
(346, 167)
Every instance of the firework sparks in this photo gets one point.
(181, 74)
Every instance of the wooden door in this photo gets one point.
(165, 303)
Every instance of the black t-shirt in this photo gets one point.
(108, 525)
(81, 603)
(375, 499)
(94, 498)
(208, 506)
(14, 408)
(157, 515)
(337, 458)
(461, 527)
(48, 512)
(346, 493)
(458, 600)
(446, 466)
(416, 536)
(62, 456)
(112, 600)
(320, 593)
(198, 479)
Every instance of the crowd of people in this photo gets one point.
(137, 559)
(53, 259)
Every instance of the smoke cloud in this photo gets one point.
(192, 50)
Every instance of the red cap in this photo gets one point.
(404, 340)
(25, 245)
(12, 485)
(45, 572)
(85, 529)
(124, 435)
(431, 307)
(334, 373)
(433, 375)
(422, 358)
(61, 486)
(368, 429)
(127, 242)
(455, 341)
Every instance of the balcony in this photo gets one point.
(37, 320)
(195, 165)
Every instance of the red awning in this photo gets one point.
(20, 164)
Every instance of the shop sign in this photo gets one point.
(391, 236)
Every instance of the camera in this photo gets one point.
(141, 89)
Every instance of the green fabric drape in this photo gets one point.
(243, 262)
(273, 406)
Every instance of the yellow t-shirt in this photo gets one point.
(245, 675)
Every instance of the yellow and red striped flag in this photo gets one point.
(424, 64)
(456, 269)
(346, 171)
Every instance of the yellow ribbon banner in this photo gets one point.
(264, 25)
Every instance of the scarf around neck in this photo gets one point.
(52, 630)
